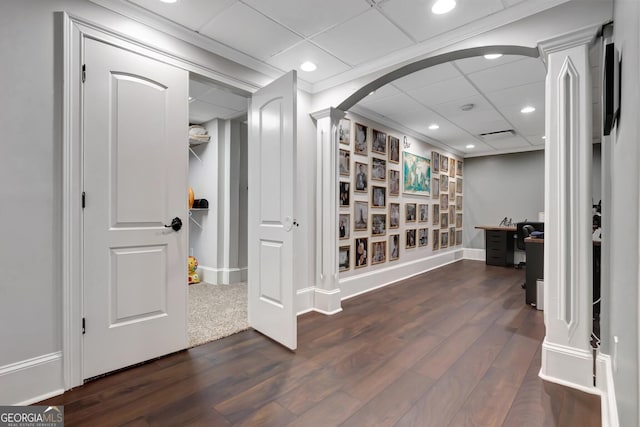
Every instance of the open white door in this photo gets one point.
(272, 153)
(135, 114)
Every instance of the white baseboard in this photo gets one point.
(32, 380)
(356, 285)
(222, 276)
(604, 381)
(475, 254)
(304, 300)
(567, 366)
(327, 302)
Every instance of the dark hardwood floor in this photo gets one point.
(456, 346)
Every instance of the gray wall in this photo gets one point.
(510, 185)
(622, 240)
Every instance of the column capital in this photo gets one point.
(585, 35)
(331, 112)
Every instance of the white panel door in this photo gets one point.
(272, 153)
(135, 116)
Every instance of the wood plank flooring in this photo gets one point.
(456, 346)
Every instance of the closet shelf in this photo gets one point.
(193, 142)
(199, 209)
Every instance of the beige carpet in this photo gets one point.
(216, 311)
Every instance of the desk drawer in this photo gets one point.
(496, 237)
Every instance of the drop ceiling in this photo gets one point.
(344, 36)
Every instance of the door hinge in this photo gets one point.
(84, 72)
(83, 326)
(84, 199)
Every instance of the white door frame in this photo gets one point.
(75, 30)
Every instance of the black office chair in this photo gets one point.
(524, 230)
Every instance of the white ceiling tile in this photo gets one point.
(192, 14)
(309, 17)
(427, 77)
(478, 63)
(508, 143)
(530, 94)
(396, 105)
(416, 18)
(381, 93)
(365, 37)
(522, 72)
(448, 90)
(248, 31)
(526, 124)
(477, 122)
(292, 58)
(479, 147)
(197, 89)
(535, 139)
(510, 3)
(452, 108)
(200, 112)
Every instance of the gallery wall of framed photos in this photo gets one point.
(400, 199)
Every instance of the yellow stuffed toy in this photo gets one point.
(193, 266)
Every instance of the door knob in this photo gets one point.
(176, 224)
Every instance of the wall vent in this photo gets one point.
(498, 134)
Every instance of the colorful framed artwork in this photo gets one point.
(360, 216)
(410, 240)
(344, 131)
(361, 139)
(344, 261)
(379, 142)
(361, 251)
(344, 226)
(394, 149)
(378, 252)
(417, 174)
(361, 177)
(423, 236)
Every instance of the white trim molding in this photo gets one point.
(604, 381)
(222, 276)
(356, 285)
(474, 254)
(32, 380)
(566, 351)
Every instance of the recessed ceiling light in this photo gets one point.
(443, 6)
(528, 109)
(169, 1)
(191, 98)
(470, 146)
(434, 126)
(308, 66)
(544, 137)
(371, 93)
(492, 55)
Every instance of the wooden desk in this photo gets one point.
(498, 242)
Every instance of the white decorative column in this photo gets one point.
(566, 351)
(327, 292)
